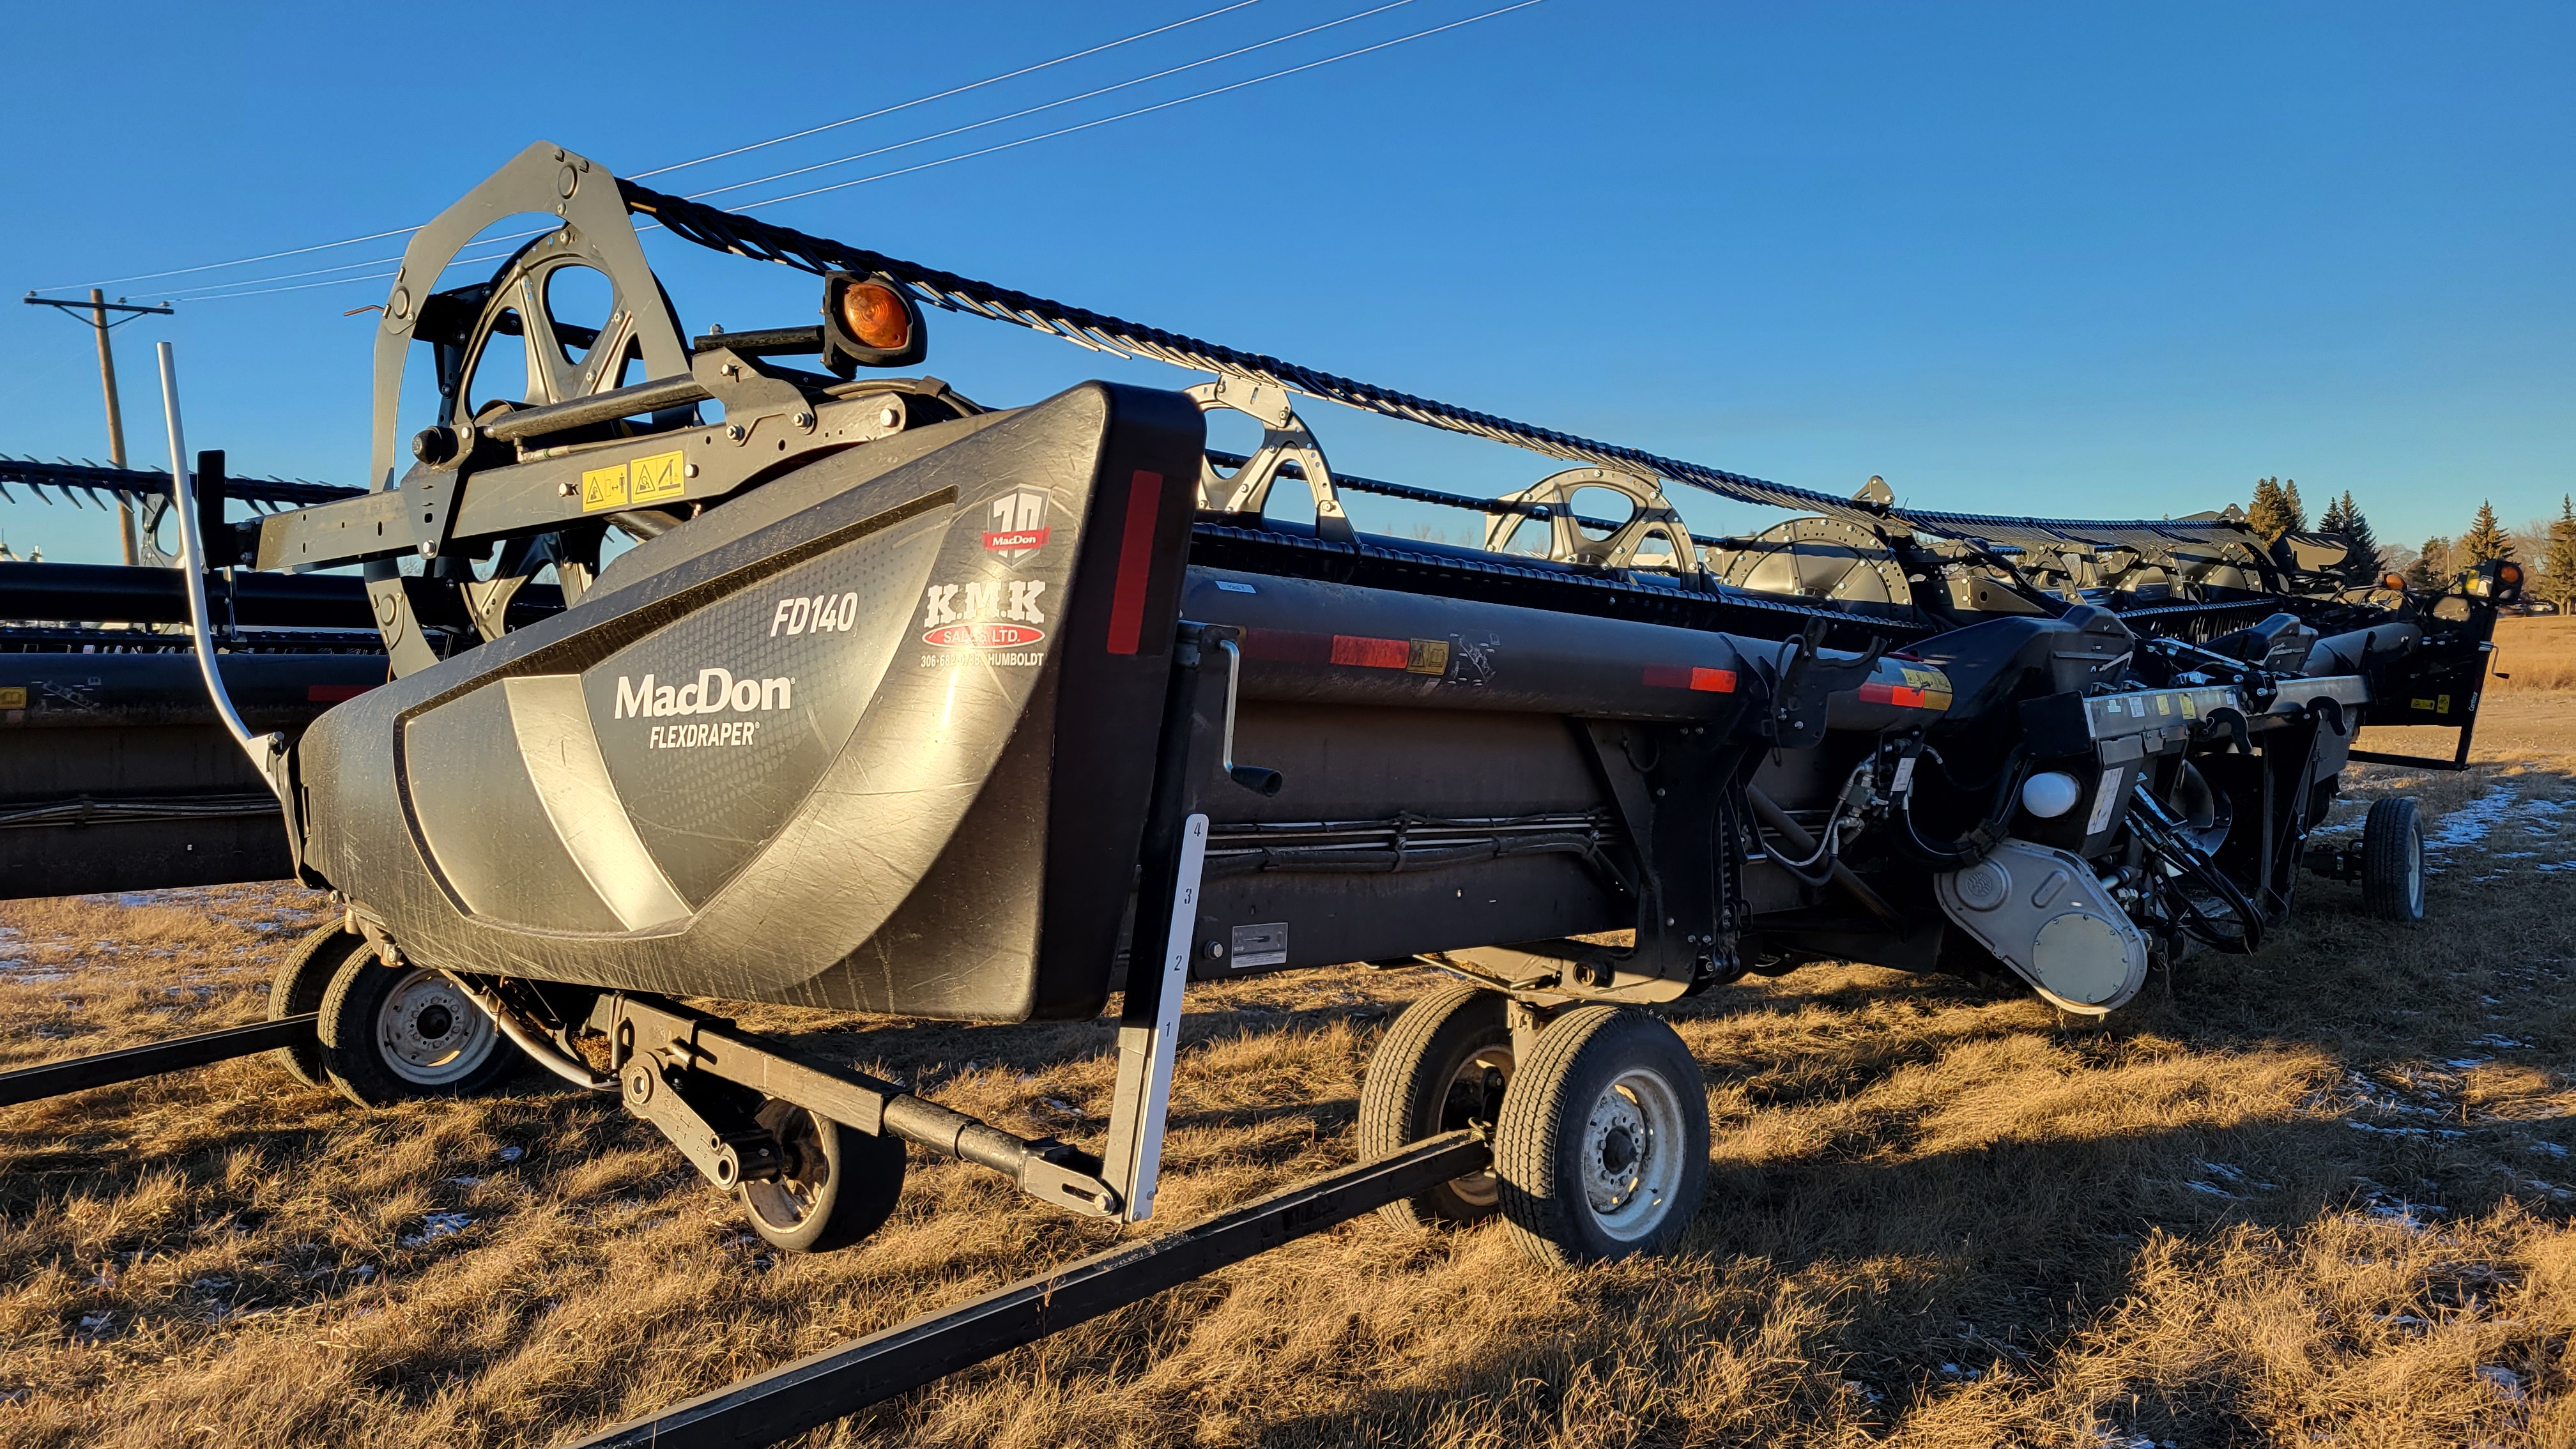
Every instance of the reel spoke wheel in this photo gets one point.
(393, 1033)
(302, 980)
(835, 1185)
(2392, 861)
(1602, 1151)
(1441, 1066)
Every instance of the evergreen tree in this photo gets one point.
(2485, 540)
(2297, 510)
(2363, 564)
(2557, 581)
(2269, 514)
(2430, 573)
(2330, 522)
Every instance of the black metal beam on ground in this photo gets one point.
(2420, 762)
(825, 1386)
(53, 1079)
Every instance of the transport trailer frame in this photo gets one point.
(836, 1382)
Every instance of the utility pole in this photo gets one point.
(98, 307)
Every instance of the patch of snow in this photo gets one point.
(2213, 1189)
(2472, 823)
(2551, 1148)
(512, 1154)
(435, 1226)
(2502, 1043)
(2506, 1381)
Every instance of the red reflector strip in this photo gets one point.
(1368, 653)
(1898, 694)
(1675, 676)
(1135, 562)
(1289, 646)
(333, 693)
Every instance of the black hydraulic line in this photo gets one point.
(106, 1069)
(1777, 820)
(825, 1386)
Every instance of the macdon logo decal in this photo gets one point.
(1018, 526)
(1004, 614)
(715, 692)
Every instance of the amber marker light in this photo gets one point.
(2393, 581)
(868, 321)
(875, 316)
(2509, 574)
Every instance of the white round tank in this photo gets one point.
(2050, 793)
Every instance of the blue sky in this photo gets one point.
(2088, 260)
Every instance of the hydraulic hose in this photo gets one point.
(1980, 838)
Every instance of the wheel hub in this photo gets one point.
(429, 1033)
(1617, 1143)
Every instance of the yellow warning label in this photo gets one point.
(1426, 656)
(2164, 704)
(14, 697)
(603, 488)
(660, 476)
(2190, 708)
(1932, 682)
(2441, 704)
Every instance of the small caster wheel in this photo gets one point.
(2392, 861)
(1441, 1066)
(302, 980)
(835, 1184)
(1602, 1151)
(392, 1033)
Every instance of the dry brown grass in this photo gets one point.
(2307, 1198)
(2535, 653)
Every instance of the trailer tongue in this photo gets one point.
(904, 704)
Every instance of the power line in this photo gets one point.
(943, 95)
(1048, 106)
(1140, 110)
(965, 155)
(216, 291)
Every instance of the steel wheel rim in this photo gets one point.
(428, 1033)
(1472, 1097)
(1630, 1162)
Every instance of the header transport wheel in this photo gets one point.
(1440, 1067)
(298, 987)
(390, 1033)
(835, 1185)
(2392, 861)
(1603, 1147)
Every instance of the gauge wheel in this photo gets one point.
(302, 980)
(835, 1185)
(1441, 1066)
(1602, 1151)
(392, 1033)
(2392, 860)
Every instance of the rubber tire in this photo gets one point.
(302, 980)
(1407, 1095)
(354, 1060)
(2392, 860)
(1538, 1144)
(863, 1179)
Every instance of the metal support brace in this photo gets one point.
(666, 1055)
(1176, 834)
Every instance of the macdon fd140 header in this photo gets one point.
(906, 704)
